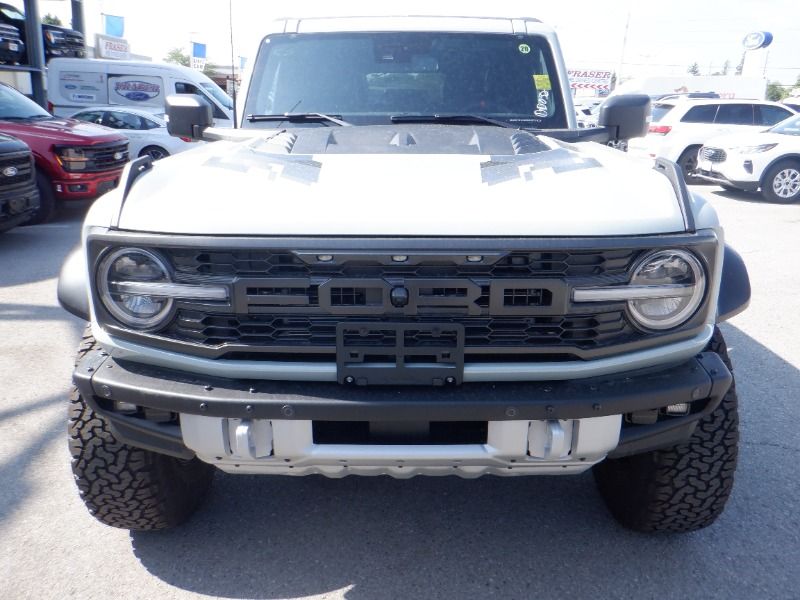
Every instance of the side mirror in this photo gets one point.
(627, 115)
(188, 115)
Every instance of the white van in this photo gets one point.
(75, 83)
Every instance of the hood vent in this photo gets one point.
(525, 143)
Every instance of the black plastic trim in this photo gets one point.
(137, 167)
(406, 244)
(73, 289)
(142, 385)
(672, 430)
(675, 176)
(734, 292)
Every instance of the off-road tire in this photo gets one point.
(767, 190)
(688, 163)
(47, 201)
(124, 486)
(677, 489)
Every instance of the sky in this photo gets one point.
(663, 38)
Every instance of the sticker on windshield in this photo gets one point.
(542, 104)
(524, 48)
(542, 82)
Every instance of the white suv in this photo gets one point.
(681, 126)
(768, 160)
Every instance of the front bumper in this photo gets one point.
(85, 186)
(720, 179)
(213, 410)
(17, 205)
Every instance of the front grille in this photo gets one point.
(713, 154)
(103, 157)
(286, 304)
(22, 163)
(584, 332)
(9, 32)
(520, 264)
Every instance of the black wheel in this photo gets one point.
(678, 489)
(154, 152)
(47, 201)
(782, 182)
(688, 164)
(128, 487)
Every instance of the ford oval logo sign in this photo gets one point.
(118, 155)
(10, 171)
(137, 91)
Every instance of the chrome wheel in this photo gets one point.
(786, 183)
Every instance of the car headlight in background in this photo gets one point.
(54, 37)
(665, 290)
(72, 159)
(133, 266)
(136, 288)
(755, 149)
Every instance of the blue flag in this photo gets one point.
(198, 50)
(114, 25)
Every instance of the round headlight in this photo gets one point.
(133, 265)
(668, 270)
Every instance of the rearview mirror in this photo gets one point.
(188, 115)
(628, 115)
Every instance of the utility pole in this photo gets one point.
(624, 44)
(77, 16)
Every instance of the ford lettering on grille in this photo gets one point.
(400, 297)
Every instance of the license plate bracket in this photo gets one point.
(371, 353)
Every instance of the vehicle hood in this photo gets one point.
(60, 131)
(426, 180)
(738, 140)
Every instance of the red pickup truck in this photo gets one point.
(74, 160)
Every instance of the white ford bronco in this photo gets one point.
(406, 260)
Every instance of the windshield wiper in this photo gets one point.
(450, 119)
(300, 118)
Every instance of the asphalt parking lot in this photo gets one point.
(262, 537)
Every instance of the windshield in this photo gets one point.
(13, 105)
(12, 13)
(216, 91)
(790, 126)
(368, 77)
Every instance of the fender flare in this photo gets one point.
(734, 289)
(73, 288)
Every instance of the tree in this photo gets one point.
(49, 19)
(694, 69)
(177, 56)
(776, 92)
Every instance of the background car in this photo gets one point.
(769, 160)
(146, 132)
(74, 160)
(58, 41)
(12, 48)
(680, 127)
